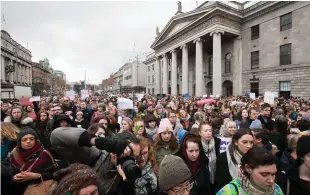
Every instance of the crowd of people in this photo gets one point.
(163, 145)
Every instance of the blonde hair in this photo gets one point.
(9, 131)
(292, 140)
(230, 123)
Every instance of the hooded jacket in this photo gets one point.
(24, 122)
(201, 178)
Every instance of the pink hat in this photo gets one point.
(164, 126)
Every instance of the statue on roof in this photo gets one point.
(157, 31)
(179, 6)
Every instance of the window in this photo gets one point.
(285, 54)
(153, 79)
(153, 90)
(149, 90)
(148, 68)
(152, 66)
(148, 79)
(286, 22)
(255, 32)
(255, 60)
(227, 63)
(169, 76)
(285, 89)
(211, 66)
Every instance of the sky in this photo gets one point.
(98, 37)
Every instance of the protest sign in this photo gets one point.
(124, 103)
(84, 94)
(269, 97)
(224, 144)
(70, 95)
(24, 101)
(35, 99)
(252, 96)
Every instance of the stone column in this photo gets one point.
(190, 81)
(217, 62)
(3, 79)
(184, 69)
(199, 68)
(12, 73)
(157, 76)
(165, 74)
(237, 67)
(174, 72)
(30, 75)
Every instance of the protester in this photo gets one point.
(80, 122)
(139, 128)
(174, 121)
(256, 175)
(40, 125)
(9, 134)
(18, 117)
(191, 151)
(296, 180)
(165, 143)
(77, 179)
(227, 163)
(147, 184)
(31, 163)
(4, 110)
(289, 155)
(151, 128)
(278, 137)
(126, 125)
(265, 117)
(185, 119)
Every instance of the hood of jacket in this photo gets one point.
(23, 121)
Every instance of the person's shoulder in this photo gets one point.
(230, 189)
(278, 190)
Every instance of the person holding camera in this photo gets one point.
(116, 166)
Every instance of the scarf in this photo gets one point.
(209, 149)
(253, 189)
(233, 168)
(23, 159)
(151, 132)
(147, 180)
(192, 165)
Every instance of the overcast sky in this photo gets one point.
(96, 36)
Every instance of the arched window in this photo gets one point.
(211, 66)
(228, 63)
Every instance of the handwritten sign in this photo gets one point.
(225, 141)
(84, 94)
(70, 95)
(252, 96)
(24, 101)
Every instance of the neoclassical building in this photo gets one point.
(16, 68)
(230, 48)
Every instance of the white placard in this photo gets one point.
(225, 141)
(84, 94)
(124, 103)
(70, 95)
(252, 96)
(35, 99)
(269, 97)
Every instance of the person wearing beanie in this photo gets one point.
(296, 180)
(31, 163)
(78, 179)
(256, 124)
(174, 176)
(165, 143)
(159, 112)
(79, 121)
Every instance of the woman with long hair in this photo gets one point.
(151, 127)
(191, 151)
(31, 163)
(105, 123)
(185, 119)
(278, 137)
(256, 175)
(147, 183)
(42, 119)
(139, 128)
(241, 117)
(8, 138)
(126, 125)
(211, 148)
(227, 162)
(165, 143)
(18, 117)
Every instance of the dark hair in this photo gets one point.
(261, 134)
(93, 128)
(303, 125)
(173, 143)
(39, 116)
(265, 105)
(172, 111)
(192, 138)
(255, 157)
(232, 147)
(282, 125)
(253, 108)
(127, 136)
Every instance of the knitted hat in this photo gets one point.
(73, 178)
(159, 106)
(172, 171)
(164, 126)
(26, 131)
(256, 125)
(303, 146)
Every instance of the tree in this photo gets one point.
(77, 87)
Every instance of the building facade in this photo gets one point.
(151, 73)
(230, 48)
(41, 77)
(16, 68)
(108, 84)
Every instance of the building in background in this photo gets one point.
(60, 74)
(108, 84)
(16, 68)
(230, 48)
(150, 74)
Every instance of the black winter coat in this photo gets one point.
(296, 185)
(222, 175)
(266, 125)
(201, 179)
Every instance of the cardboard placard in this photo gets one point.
(35, 99)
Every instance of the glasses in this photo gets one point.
(182, 189)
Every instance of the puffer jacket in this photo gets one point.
(162, 151)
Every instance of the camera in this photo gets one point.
(130, 168)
